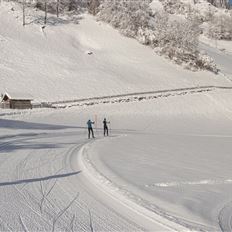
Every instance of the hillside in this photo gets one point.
(54, 64)
(166, 164)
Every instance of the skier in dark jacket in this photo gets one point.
(90, 128)
(105, 127)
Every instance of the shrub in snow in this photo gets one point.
(203, 61)
(220, 3)
(127, 16)
(64, 5)
(176, 40)
(156, 33)
(179, 42)
(146, 36)
(93, 6)
(220, 27)
(175, 6)
(180, 39)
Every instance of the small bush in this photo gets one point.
(127, 16)
(176, 40)
(220, 27)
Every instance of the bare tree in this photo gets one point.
(24, 5)
(57, 8)
(45, 11)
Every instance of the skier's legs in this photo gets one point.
(92, 132)
(105, 130)
(89, 133)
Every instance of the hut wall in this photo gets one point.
(5, 105)
(20, 104)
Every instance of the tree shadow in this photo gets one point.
(15, 124)
(26, 181)
(28, 140)
(22, 145)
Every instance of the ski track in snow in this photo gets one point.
(225, 218)
(41, 197)
(40, 177)
(147, 209)
(42, 182)
(27, 170)
(30, 185)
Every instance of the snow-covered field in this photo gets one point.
(166, 165)
(177, 164)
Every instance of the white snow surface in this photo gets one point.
(54, 64)
(156, 6)
(166, 165)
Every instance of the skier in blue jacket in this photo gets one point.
(90, 128)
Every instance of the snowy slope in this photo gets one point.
(165, 166)
(54, 64)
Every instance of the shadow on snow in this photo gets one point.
(21, 145)
(15, 124)
(26, 181)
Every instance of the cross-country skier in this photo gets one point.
(105, 127)
(90, 128)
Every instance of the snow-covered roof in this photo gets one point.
(18, 96)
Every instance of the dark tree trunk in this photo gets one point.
(45, 10)
(24, 13)
(57, 8)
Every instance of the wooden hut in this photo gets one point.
(15, 100)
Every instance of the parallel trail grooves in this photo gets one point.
(31, 164)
